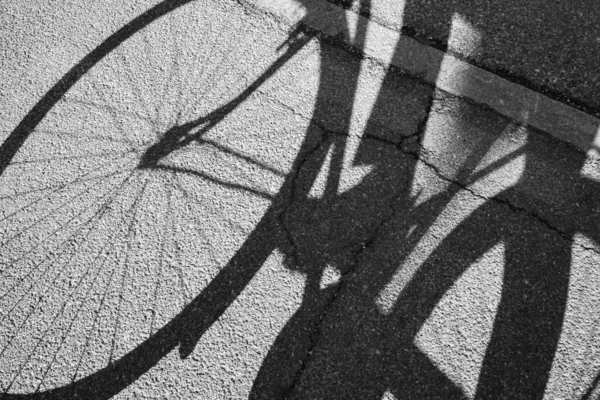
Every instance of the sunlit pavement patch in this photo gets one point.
(350, 262)
(449, 73)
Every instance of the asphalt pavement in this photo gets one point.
(549, 46)
(216, 200)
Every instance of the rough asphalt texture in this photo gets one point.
(346, 231)
(551, 46)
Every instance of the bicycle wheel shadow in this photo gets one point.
(188, 326)
(355, 232)
(344, 343)
(365, 350)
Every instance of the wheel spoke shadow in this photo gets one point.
(339, 340)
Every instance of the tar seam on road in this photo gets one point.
(455, 76)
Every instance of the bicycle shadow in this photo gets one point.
(340, 341)
(365, 352)
(362, 232)
(189, 325)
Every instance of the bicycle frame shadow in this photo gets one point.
(360, 353)
(289, 224)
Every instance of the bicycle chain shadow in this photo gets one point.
(339, 341)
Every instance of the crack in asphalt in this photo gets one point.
(406, 146)
(294, 245)
(315, 335)
(293, 195)
(409, 145)
(419, 156)
(285, 106)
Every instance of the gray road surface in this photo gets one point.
(549, 46)
(345, 231)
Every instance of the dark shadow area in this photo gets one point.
(363, 353)
(339, 343)
(549, 46)
(351, 350)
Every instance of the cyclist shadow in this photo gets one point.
(341, 341)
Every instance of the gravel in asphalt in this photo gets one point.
(347, 231)
(550, 46)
